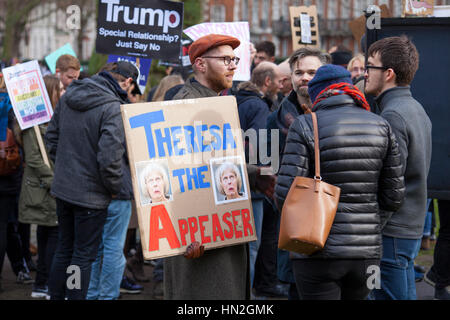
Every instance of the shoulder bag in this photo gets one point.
(309, 209)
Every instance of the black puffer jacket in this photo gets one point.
(359, 154)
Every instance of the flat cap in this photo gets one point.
(205, 43)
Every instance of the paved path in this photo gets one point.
(14, 291)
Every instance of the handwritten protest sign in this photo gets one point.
(239, 30)
(140, 28)
(189, 176)
(53, 57)
(143, 66)
(28, 94)
(301, 27)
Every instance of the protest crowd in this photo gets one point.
(81, 196)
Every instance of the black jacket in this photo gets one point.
(253, 111)
(85, 139)
(359, 154)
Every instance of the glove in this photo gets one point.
(194, 250)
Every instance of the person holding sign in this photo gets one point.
(86, 136)
(36, 205)
(218, 273)
(229, 181)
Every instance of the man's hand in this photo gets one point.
(266, 183)
(194, 250)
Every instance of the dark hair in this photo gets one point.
(267, 47)
(110, 67)
(301, 53)
(398, 53)
(52, 84)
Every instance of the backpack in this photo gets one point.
(9, 155)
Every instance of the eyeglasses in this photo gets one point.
(376, 67)
(226, 59)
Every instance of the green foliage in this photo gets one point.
(96, 62)
(192, 12)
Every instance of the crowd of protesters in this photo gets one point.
(82, 202)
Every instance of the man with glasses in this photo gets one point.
(219, 273)
(391, 66)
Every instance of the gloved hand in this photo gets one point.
(194, 250)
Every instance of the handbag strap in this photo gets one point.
(316, 146)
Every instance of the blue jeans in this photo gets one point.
(397, 269)
(106, 276)
(258, 213)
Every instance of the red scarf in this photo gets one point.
(343, 88)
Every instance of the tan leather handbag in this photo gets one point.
(309, 209)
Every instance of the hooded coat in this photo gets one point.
(85, 140)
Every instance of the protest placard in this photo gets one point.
(417, 8)
(140, 28)
(53, 57)
(239, 30)
(189, 175)
(304, 34)
(28, 94)
(142, 64)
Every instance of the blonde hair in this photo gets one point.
(152, 167)
(359, 57)
(220, 171)
(166, 83)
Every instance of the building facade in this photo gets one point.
(45, 35)
(269, 19)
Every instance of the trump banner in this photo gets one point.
(189, 175)
(140, 28)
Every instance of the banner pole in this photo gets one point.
(41, 145)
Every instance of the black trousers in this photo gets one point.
(333, 279)
(6, 205)
(47, 239)
(441, 266)
(10, 239)
(80, 233)
(266, 261)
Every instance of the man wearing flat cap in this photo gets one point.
(218, 273)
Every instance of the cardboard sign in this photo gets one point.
(417, 8)
(28, 94)
(297, 27)
(53, 57)
(140, 28)
(189, 176)
(239, 30)
(358, 25)
(143, 66)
